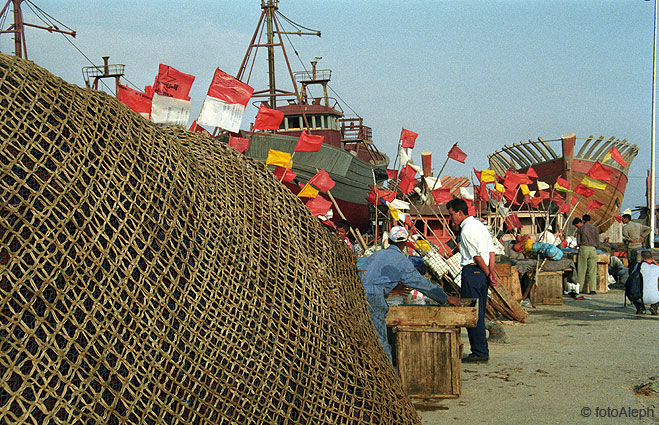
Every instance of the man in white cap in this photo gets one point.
(385, 269)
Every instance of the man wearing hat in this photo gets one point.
(385, 269)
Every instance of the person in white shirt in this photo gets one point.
(477, 262)
(650, 273)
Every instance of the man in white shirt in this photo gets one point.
(477, 262)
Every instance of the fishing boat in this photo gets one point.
(348, 153)
(550, 164)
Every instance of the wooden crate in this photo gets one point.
(509, 279)
(434, 315)
(429, 360)
(548, 289)
(602, 273)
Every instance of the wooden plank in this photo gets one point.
(500, 294)
(431, 315)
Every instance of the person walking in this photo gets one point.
(477, 262)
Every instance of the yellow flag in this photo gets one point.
(561, 188)
(487, 176)
(595, 184)
(606, 157)
(422, 245)
(499, 187)
(525, 189)
(281, 159)
(307, 191)
(394, 213)
(542, 185)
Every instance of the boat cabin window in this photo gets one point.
(293, 122)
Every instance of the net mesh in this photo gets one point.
(153, 276)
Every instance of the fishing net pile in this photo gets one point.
(154, 276)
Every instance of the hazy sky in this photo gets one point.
(481, 73)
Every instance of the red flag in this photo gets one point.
(322, 181)
(407, 184)
(392, 174)
(564, 208)
(524, 179)
(618, 218)
(442, 195)
(408, 138)
(513, 222)
(509, 194)
(535, 202)
(318, 205)
(512, 180)
(135, 100)
(173, 83)
(268, 119)
(225, 102)
(456, 154)
(308, 143)
(482, 191)
(617, 156)
(471, 210)
(574, 200)
(288, 175)
(148, 90)
(563, 183)
(387, 195)
(495, 195)
(542, 194)
(557, 198)
(593, 205)
(478, 174)
(583, 190)
(229, 89)
(531, 173)
(238, 143)
(598, 172)
(407, 173)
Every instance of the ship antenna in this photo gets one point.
(18, 27)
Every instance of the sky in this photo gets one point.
(480, 73)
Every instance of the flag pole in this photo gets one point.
(290, 161)
(653, 204)
(377, 204)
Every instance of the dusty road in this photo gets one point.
(576, 363)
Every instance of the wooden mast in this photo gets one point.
(18, 28)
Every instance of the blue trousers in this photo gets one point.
(378, 308)
(474, 285)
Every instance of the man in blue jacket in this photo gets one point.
(384, 270)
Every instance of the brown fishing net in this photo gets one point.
(153, 276)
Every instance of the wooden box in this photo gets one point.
(434, 315)
(602, 273)
(548, 288)
(429, 360)
(509, 279)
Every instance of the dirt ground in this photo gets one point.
(573, 363)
